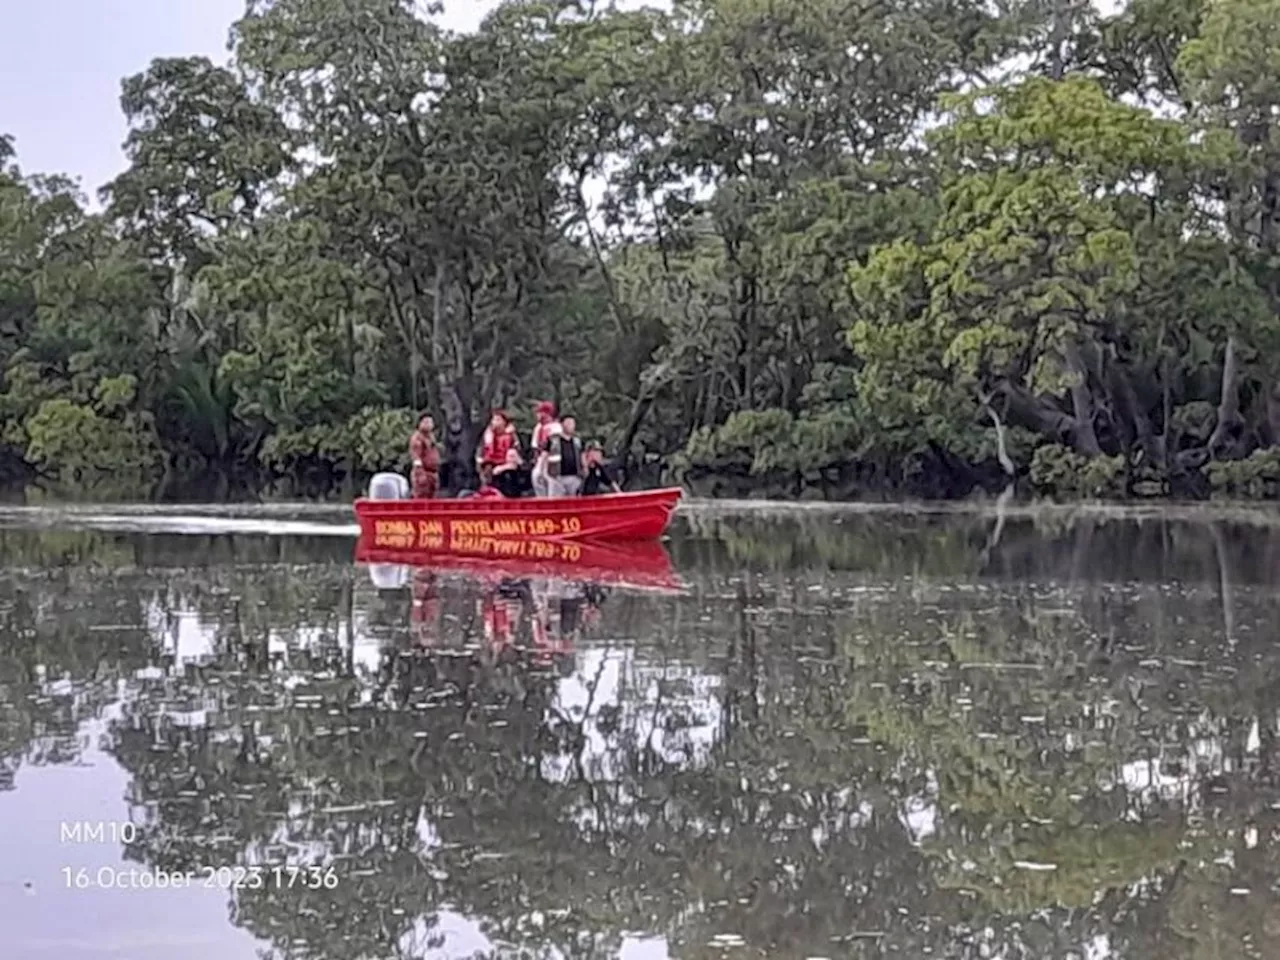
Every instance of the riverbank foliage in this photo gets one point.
(812, 248)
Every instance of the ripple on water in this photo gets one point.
(905, 736)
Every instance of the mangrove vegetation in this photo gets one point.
(819, 249)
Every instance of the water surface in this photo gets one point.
(851, 735)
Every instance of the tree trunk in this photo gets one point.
(639, 410)
(1125, 399)
(1086, 438)
(347, 320)
(1222, 442)
(1002, 449)
(1023, 409)
(597, 253)
(459, 432)
(1273, 413)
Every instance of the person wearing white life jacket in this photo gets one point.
(542, 458)
(545, 420)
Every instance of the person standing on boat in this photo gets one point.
(425, 459)
(545, 423)
(596, 478)
(542, 456)
(564, 461)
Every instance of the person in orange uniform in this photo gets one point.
(425, 457)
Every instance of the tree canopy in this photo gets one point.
(797, 247)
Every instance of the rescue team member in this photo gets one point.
(542, 455)
(499, 439)
(425, 457)
(564, 461)
(509, 478)
(545, 423)
(597, 478)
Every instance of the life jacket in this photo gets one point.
(542, 432)
(495, 447)
(556, 450)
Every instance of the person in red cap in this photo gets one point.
(545, 416)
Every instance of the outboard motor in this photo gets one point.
(390, 576)
(389, 486)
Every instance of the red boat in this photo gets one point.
(466, 525)
(638, 564)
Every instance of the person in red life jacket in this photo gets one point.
(488, 491)
(564, 460)
(499, 439)
(544, 423)
(424, 456)
(597, 478)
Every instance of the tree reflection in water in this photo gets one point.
(888, 735)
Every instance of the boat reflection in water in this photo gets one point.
(532, 610)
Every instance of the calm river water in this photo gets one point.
(845, 735)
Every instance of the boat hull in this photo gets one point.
(461, 526)
(638, 564)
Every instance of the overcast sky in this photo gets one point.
(61, 63)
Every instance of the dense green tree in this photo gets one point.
(814, 248)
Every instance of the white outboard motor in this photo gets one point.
(388, 486)
(389, 576)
